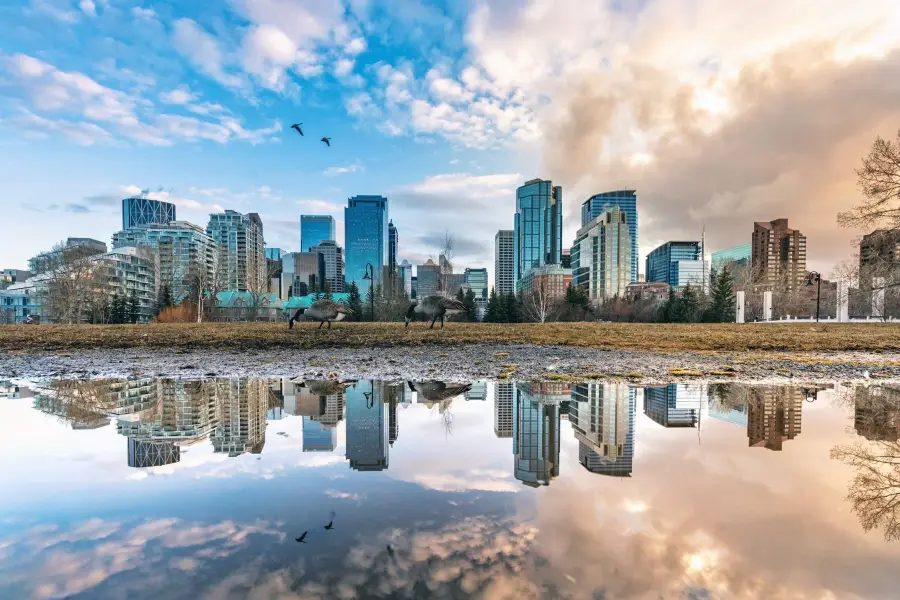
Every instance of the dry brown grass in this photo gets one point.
(627, 336)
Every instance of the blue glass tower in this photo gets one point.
(537, 231)
(536, 433)
(676, 263)
(318, 438)
(368, 419)
(139, 211)
(626, 200)
(366, 238)
(315, 229)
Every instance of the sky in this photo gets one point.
(718, 114)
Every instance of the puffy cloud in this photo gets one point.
(180, 95)
(88, 7)
(203, 51)
(343, 170)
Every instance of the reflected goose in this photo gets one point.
(438, 391)
(434, 308)
(323, 311)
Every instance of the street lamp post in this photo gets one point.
(370, 275)
(816, 278)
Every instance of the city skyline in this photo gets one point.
(445, 111)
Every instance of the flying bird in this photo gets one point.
(330, 525)
(327, 141)
(297, 127)
(302, 537)
(434, 308)
(323, 311)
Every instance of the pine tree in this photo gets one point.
(513, 309)
(494, 312)
(164, 299)
(370, 302)
(469, 303)
(577, 302)
(722, 309)
(670, 308)
(691, 306)
(355, 301)
(116, 310)
(132, 307)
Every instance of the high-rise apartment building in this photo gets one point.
(626, 200)
(73, 248)
(778, 255)
(139, 211)
(774, 415)
(242, 409)
(302, 274)
(366, 239)
(601, 255)
(428, 279)
(537, 229)
(405, 273)
(504, 395)
(674, 405)
(879, 254)
(333, 257)
(315, 229)
(677, 263)
(505, 262)
(393, 241)
(242, 251)
(183, 249)
(602, 417)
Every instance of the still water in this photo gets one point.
(237, 488)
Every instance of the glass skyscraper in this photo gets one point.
(368, 440)
(601, 255)
(676, 263)
(602, 417)
(315, 229)
(393, 241)
(736, 258)
(594, 206)
(536, 432)
(366, 238)
(537, 229)
(144, 211)
(318, 438)
(674, 405)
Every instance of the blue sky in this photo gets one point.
(444, 107)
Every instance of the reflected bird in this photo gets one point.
(323, 387)
(390, 549)
(330, 525)
(438, 391)
(323, 311)
(327, 141)
(302, 537)
(434, 308)
(297, 127)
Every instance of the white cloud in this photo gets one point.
(59, 10)
(355, 46)
(88, 7)
(83, 134)
(342, 170)
(143, 13)
(343, 67)
(204, 51)
(501, 184)
(180, 95)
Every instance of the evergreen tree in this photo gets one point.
(513, 309)
(370, 302)
(691, 306)
(165, 299)
(132, 307)
(670, 308)
(722, 309)
(354, 301)
(116, 310)
(469, 303)
(577, 302)
(494, 308)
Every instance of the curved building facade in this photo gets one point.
(144, 211)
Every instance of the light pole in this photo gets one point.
(814, 277)
(370, 275)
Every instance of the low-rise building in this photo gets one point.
(548, 279)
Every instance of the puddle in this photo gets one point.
(201, 489)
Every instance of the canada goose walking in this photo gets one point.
(438, 391)
(434, 308)
(323, 311)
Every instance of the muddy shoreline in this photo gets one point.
(508, 362)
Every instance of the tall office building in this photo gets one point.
(504, 395)
(674, 405)
(505, 262)
(778, 256)
(393, 241)
(183, 248)
(537, 226)
(242, 251)
(315, 229)
(677, 263)
(405, 273)
(139, 211)
(601, 255)
(368, 442)
(366, 239)
(736, 259)
(774, 416)
(602, 417)
(333, 257)
(274, 253)
(317, 437)
(536, 433)
(428, 279)
(626, 200)
(477, 280)
(302, 273)
(143, 454)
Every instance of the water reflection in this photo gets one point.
(677, 476)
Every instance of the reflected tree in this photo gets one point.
(874, 492)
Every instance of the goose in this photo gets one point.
(438, 391)
(323, 387)
(434, 308)
(323, 311)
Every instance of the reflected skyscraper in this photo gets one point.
(674, 405)
(317, 437)
(774, 416)
(602, 416)
(504, 394)
(368, 440)
(183, 412)
(477, 392)
(728, 402)
(242, 407)
(143, 454)
(536, 432)
(877, 413)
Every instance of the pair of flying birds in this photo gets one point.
(298, 127)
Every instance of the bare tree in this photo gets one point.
(874, 493)
(73, 283)
(445, 263)
(392, 301)
(879, 181)
(540, 305)
(258, 286)
(204, 286)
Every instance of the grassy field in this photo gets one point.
(624, 336)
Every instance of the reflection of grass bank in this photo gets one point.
(762, 340)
